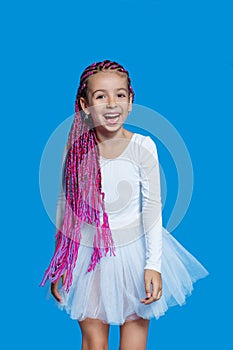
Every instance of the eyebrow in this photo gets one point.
(103, 90)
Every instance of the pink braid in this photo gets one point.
(84, 196)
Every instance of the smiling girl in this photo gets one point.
(118, 265)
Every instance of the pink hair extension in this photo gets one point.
(83, 189)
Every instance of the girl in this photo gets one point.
(118, 265)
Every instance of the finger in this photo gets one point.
(56, 295)
(156, 288)
(152, 299)
(63, 277)
(144, 300)
(159, 294)
(147, 300)
(147, 288)
(54, 291)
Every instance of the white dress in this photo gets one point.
(112, 292)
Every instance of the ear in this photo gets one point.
(84, 105)
(130, 102)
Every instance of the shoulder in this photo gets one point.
(147, 148)
(145, 140)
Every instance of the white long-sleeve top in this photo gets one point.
(131, 183)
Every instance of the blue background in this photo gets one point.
(180, 58)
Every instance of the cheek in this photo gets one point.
(96, 109)
(125, 105)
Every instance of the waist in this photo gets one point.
(122, 235)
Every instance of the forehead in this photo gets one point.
(108, 80)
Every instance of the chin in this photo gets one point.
(110, 127)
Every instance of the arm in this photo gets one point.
(152, 218)
(60, 212)
(61, 202)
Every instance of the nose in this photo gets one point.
(111, 103)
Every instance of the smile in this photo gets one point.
(112, 118)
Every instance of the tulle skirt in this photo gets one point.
(112, 292)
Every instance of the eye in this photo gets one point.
(121, 95)
(100, 97)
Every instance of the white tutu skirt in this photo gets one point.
(112, 292)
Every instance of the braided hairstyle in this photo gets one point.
(84, 196)
(93, 69)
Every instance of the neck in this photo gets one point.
(110, 135)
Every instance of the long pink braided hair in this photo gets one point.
(84, 196)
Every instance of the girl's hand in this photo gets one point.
(152, 277)
(54, 289)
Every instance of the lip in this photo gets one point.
(115, 118)
(111, 114)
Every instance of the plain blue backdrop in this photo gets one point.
(180, 58)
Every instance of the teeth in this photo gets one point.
(111, 115)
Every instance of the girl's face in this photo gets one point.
(108, 100)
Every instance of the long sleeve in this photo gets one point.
(61, 202)
(151, 203)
